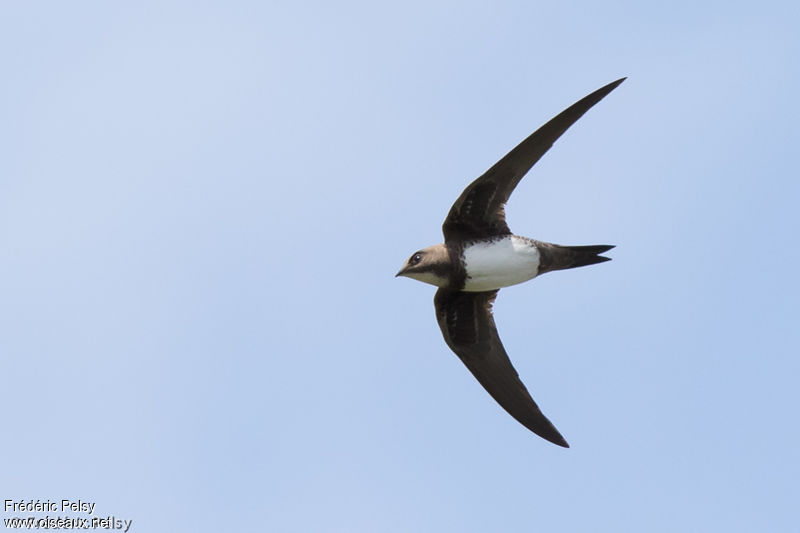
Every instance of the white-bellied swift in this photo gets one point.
(480, 256)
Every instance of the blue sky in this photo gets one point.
(203, 205)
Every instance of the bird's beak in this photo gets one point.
(401, 273)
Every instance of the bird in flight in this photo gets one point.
(480, 256)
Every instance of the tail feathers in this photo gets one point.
(557, 257)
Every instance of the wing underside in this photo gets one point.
(479, 211)
(468, 327)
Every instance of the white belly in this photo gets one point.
(501, 263)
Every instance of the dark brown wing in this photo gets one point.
(478, 212)
(468, 328)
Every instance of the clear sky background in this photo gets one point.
(203, 206)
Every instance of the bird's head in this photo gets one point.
(429, 265)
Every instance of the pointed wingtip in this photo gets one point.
(545, 430)
(556, 438)
(611, 86)
(551, 435)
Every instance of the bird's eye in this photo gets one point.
(416, 258)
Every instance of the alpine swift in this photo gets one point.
(480, 256)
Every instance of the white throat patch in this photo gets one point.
(500, 263)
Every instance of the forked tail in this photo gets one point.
(557, 257)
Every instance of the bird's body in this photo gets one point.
(480, 255)
(484, 265)
(500, 262)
